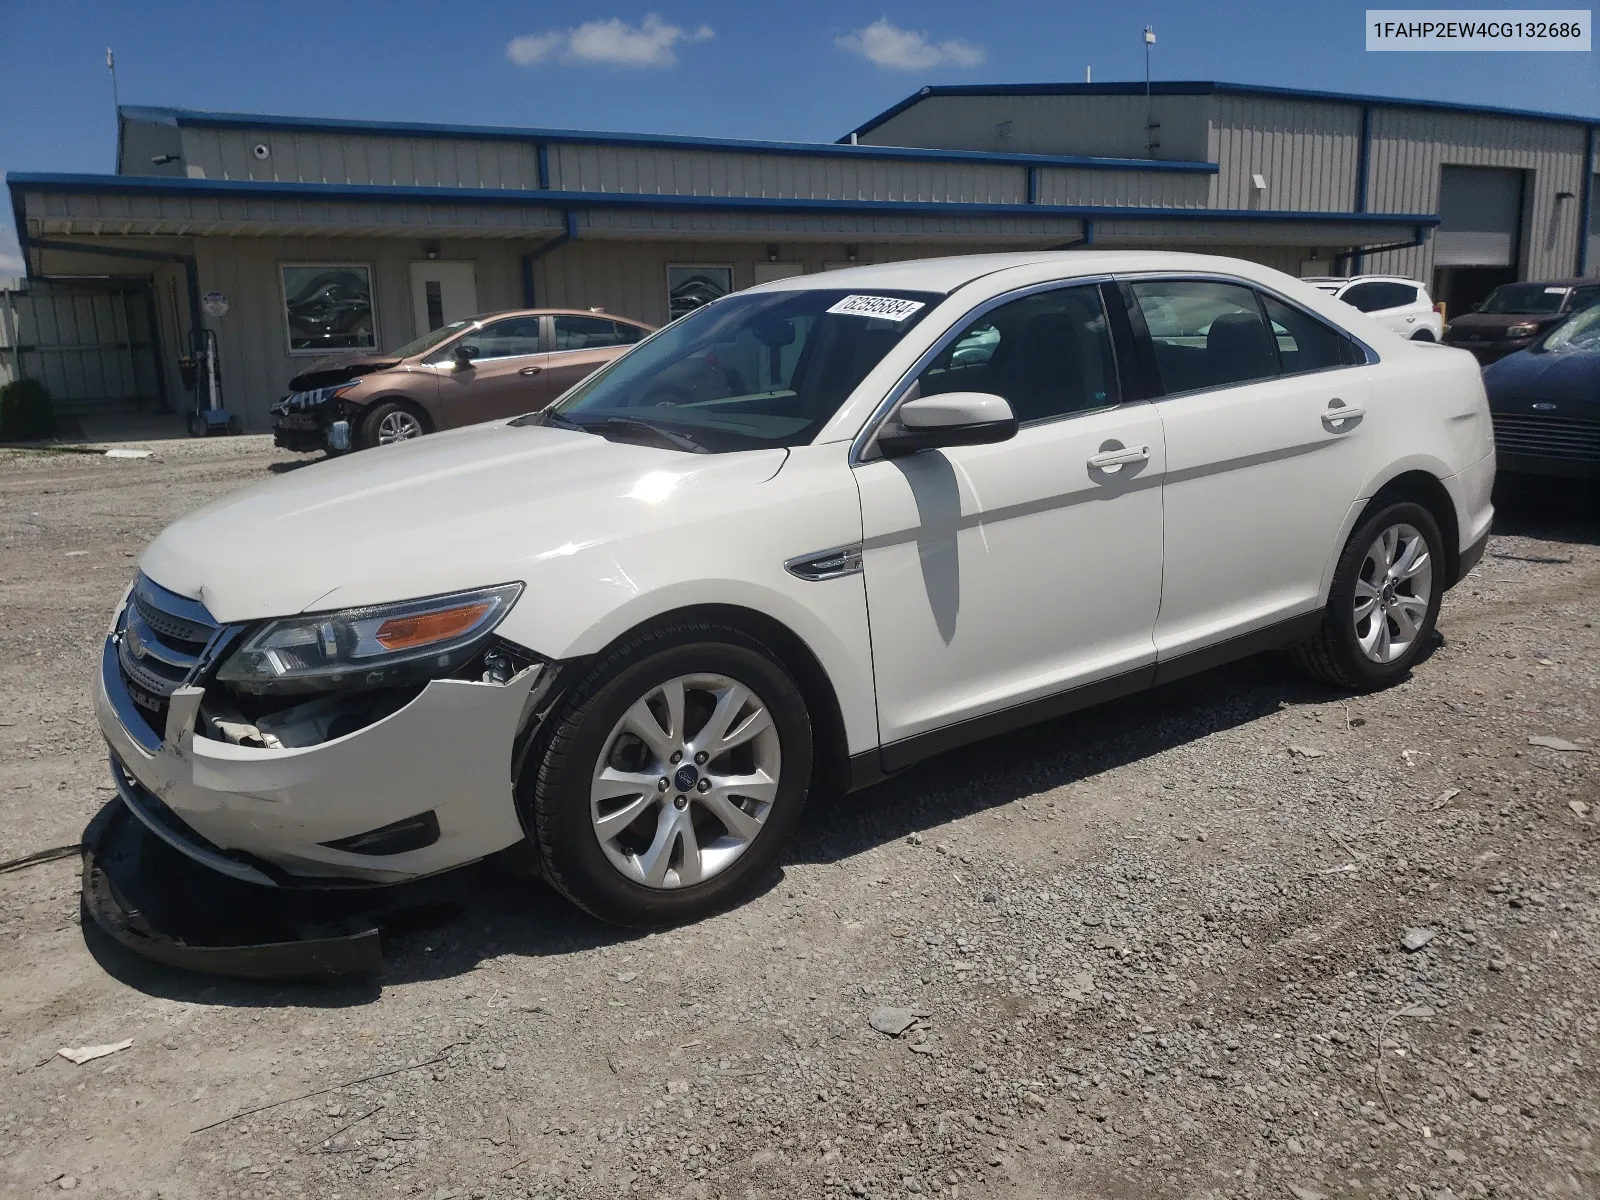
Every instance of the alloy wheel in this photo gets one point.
(685, 781)
(1393, 593)
(398, 426)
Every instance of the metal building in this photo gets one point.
(286, 238)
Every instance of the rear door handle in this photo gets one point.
(1113, 459)
(530, 370)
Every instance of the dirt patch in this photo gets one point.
(1160, 954)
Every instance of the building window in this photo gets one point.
(689, 287)
(328, 306)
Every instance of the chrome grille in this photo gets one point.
(161, 638)
(1547, 437)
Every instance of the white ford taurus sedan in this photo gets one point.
(799, 539)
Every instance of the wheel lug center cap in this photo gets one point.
(685, 778)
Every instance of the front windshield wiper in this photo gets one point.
(674, 439)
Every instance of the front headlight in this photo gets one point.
(1522, 331)
(382, 646)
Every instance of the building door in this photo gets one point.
(442, 292)
(1479, 238)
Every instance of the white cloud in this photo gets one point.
(651, 43)
(906, 49)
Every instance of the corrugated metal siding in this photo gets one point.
(1136, 189)
(252, 339)
(54, 213)
(1200, 233)
(1409, 147)
(672, 172)
(1107, 126)
(814, 226)
(89, 345)
(360, 158)
(1306, 153)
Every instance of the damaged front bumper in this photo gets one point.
(427, 788)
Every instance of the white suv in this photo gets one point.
(1401, 305)
(799, 539)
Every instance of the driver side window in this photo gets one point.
(1048, 354)
(510, 337)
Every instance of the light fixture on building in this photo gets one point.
(162, 160)
(1560, 196)
(1259, 182)
(431, 251)
(852, 253)
(772, 251)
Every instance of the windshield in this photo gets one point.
(750, 371)
(1525, 298)
(429, 340)
(1580, 335)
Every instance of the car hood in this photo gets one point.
(1500, 322)
(336, 368)
(468, 508)
(1569, 380)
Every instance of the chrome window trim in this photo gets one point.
(869, 429)
(1217, 277)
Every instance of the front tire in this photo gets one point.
(1384, 601)
(671, 776)
(391, 421)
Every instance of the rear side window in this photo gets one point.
(1375, 297)
(1048, 354)
(1304, 343)
(592, 333)
(1206, 334)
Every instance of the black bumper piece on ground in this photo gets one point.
(301, 441)
(166, 907)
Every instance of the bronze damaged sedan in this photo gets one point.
(497, 365)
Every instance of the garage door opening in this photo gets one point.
(1478, 243)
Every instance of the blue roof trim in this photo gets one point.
(1204, 88)
(208, 120)
(19, 181)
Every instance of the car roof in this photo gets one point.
(1344, 279)
(556, 312)
(945, 275)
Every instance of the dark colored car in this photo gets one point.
(497, 365)
(1545, 402)
(1517, 314)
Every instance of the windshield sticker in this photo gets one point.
(885, 308)
(1556, 291)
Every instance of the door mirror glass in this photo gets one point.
(949, 419)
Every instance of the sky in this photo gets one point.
(802, 72)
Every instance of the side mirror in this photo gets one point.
(463, 357)
(949, 419)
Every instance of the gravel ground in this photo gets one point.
(1155, 950)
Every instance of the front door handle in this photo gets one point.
(1338, 413)
(530, 370)
(1115, 460)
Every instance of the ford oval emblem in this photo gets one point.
(1544, 406)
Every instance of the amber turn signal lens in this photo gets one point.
(405, 633)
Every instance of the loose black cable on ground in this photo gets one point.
(41, 856)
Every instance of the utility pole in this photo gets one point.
(1150, 126)
(111, 65)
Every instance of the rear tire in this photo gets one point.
(671, 822)
(391, 421)
(1384, 601)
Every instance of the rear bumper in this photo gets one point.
(265, 816)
